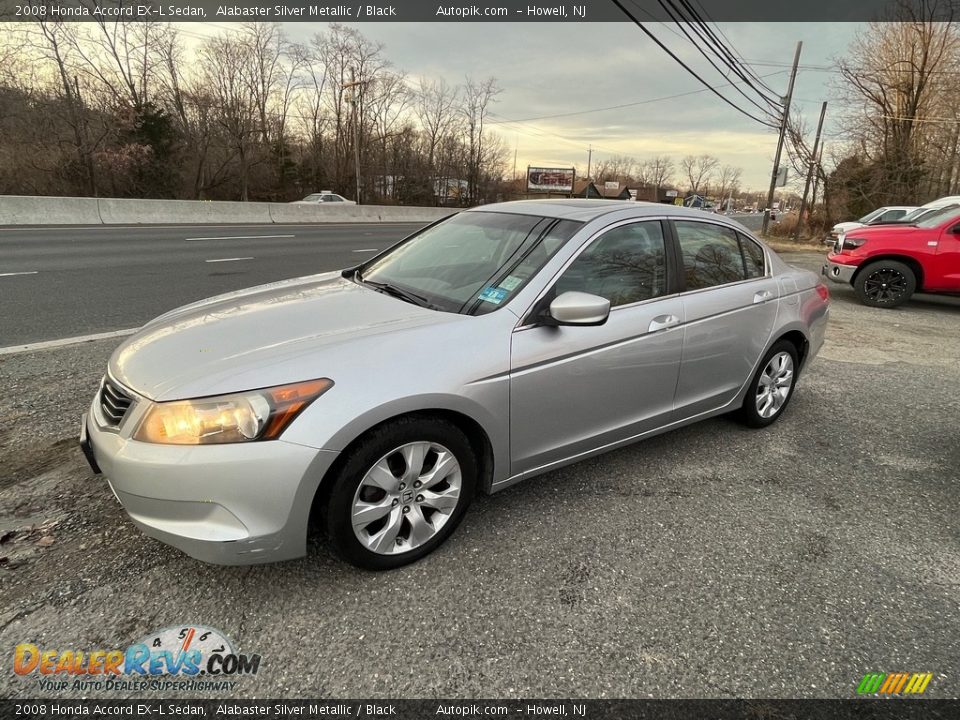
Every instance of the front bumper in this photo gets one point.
(233, 504)
(837, 272)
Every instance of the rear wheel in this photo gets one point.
(885, 283)
(771, 387)
(401, 493)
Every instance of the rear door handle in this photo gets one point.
(662, 322)
(762, 296)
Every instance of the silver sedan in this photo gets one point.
(495, 345)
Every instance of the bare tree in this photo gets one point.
(728, 181)
(897, 74)
(436, 109)
(699, 170)
(477, 97)
(657, 171)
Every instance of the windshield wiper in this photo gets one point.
(397, 292)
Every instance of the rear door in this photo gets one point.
(730, 305)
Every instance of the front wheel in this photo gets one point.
(772, 386)
(401, 493)
(885, 284)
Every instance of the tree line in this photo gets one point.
(898, 114)
(125, 109)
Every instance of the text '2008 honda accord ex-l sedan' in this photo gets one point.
(489, 347)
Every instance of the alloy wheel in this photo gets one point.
(406, 498)
(885, 285)
(774, 386)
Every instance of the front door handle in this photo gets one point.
(762, 296)
(662, 322)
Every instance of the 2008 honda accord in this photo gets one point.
(489, 347)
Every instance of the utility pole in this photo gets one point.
(816, 177)
(784, 120)
(353, 84)
(813, 163)
(589, 159)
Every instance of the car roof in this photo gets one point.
(584, 210)
(942, 201)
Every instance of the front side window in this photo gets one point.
(625, 265)
(892, 215)
(711, 254)
(473, 261)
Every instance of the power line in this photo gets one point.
(731, 60)
(738, 56)
(687, 67)
(626, 105)
(670, 8)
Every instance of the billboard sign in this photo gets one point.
(550, 179)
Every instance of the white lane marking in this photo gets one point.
(367, 250)
(28, 272)
(52, 344)
(230, 259)
(241, 237)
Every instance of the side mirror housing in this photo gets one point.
(578, 308)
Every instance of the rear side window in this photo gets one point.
(752, 257)
(711, 254)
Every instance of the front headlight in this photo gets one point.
(850, 243)
(238, 417)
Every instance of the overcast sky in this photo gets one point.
(556, 68)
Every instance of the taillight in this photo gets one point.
(823, 291)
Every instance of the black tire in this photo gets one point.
(376, 445)
(885, 284)
(749, 412)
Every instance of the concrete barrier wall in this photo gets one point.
(184, 212)
(26, 210)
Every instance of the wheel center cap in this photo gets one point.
(406, 497)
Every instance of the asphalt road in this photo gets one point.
(713, 561)
(65, 282)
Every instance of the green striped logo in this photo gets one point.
(894, 683)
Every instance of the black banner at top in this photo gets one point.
(490, 11)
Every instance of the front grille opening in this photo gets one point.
(114, 403)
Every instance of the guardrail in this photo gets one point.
(35, 210)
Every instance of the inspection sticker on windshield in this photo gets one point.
(493, 295)
(510, 283)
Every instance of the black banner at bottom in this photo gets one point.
(859, 709)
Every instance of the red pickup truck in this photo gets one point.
(886, 264)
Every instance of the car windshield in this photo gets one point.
(871, 216)
(938, 216)
(311, 198)
(473, 262)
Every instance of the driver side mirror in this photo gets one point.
(577, 308)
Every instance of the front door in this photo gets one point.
(574, 389)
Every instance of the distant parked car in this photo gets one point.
(880, 215)
(324, 196)
(925, 211)
(490, 347)
(886, 264)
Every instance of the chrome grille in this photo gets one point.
(114, 402)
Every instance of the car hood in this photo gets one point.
(847, 226)
(268, 335)
(904, 232)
